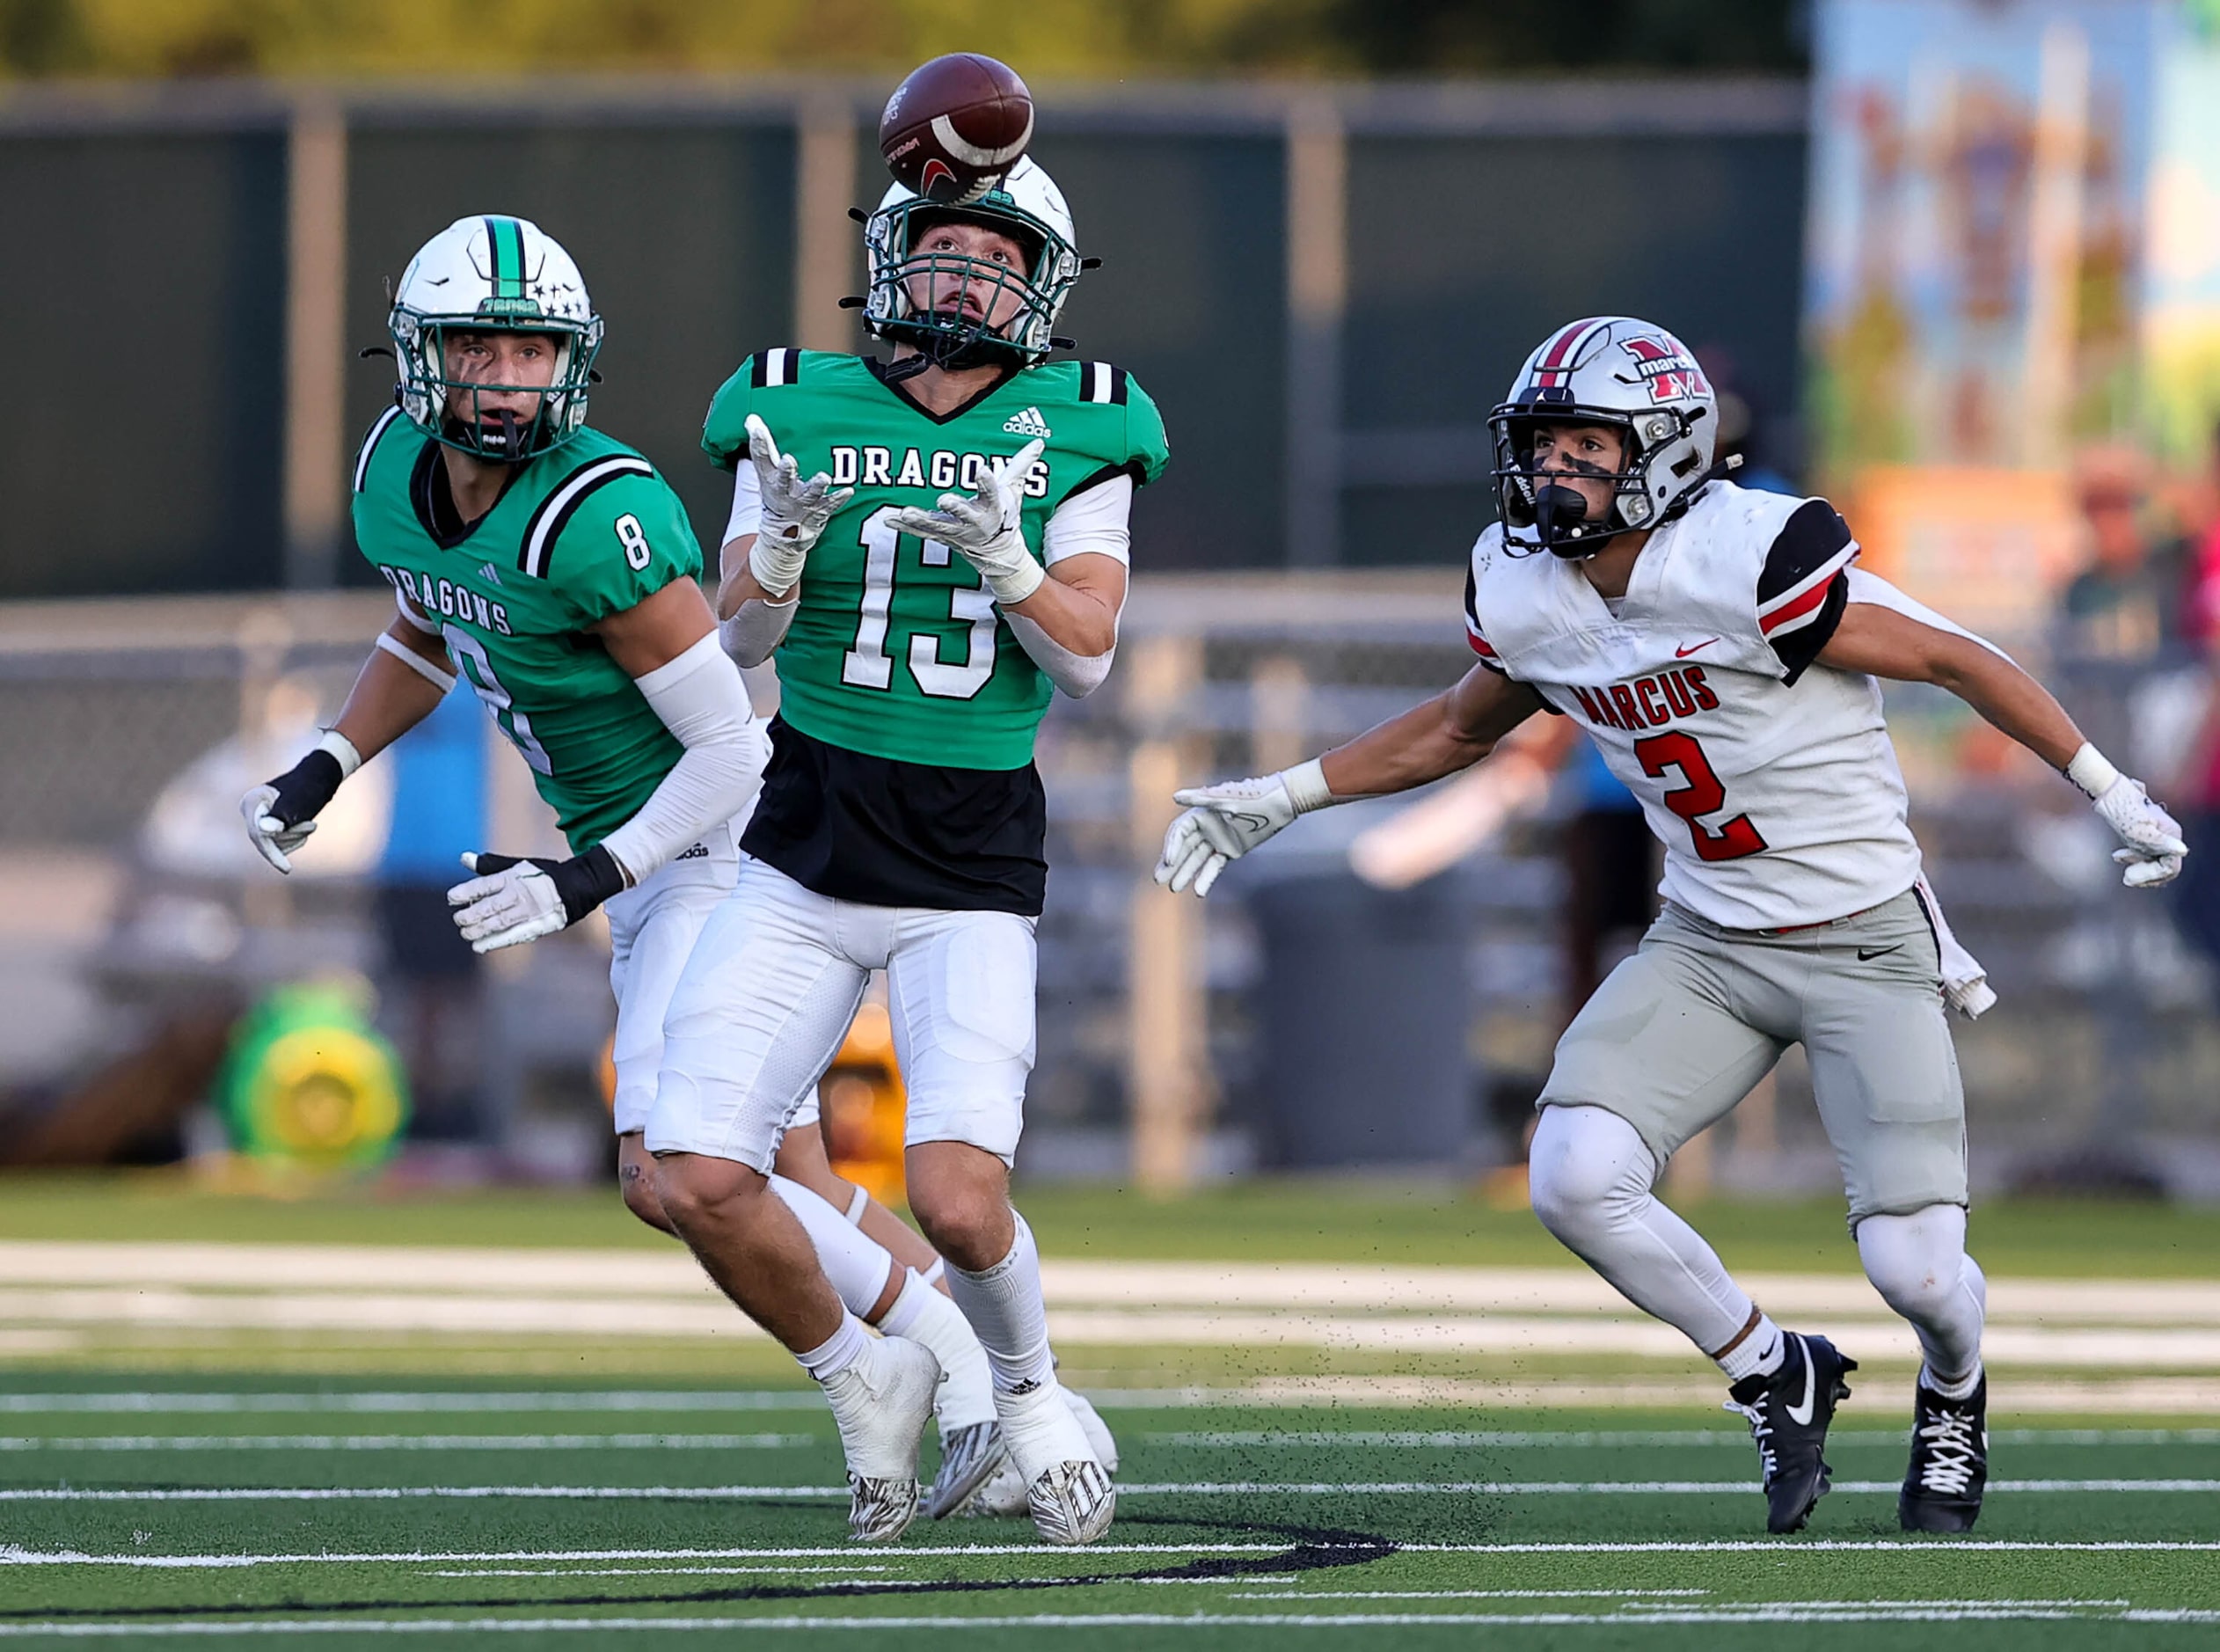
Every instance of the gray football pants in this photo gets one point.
(1680, 1032)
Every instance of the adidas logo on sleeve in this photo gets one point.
(1028, 423)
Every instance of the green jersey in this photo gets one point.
(896, 650)
(580, 533)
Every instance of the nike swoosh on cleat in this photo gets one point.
(1865, 956)
(1801, 1415)
(1683, 653)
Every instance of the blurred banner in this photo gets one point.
(1979, 308)
(2182, 291)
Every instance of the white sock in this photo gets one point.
(1589, 1174)
(842, 1348)
(858, 1267)
(1960, 1388)
(924, 1315)
(1005, 1308)
(1760, 1354)
(1919, 1265)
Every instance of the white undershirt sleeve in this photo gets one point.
(701, 700)
(751, 634)
(748, 504)
(1091, 523)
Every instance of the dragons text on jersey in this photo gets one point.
(897, 649)
(582, 531)
(902, 770)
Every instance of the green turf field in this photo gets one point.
(584, 1517)
(238, 1480)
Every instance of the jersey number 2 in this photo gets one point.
(1700, 793)
(868, 664)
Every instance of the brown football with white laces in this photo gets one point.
(955, 126)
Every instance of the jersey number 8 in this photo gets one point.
(633, 537)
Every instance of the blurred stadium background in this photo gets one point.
(299, 1204)
(1957, 265)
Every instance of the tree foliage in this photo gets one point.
(1069, 38)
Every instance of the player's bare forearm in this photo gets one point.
(737, 582)
(1881, 642)
(656, 630)
(389, 699)
(1078, 604)
(1451, 732)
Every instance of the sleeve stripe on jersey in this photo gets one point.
(1799, 604)
(548, 522)
(370, 446)
(774, 370)
(1479, 643)
(1101, 383)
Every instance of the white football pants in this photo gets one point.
(764, 1002)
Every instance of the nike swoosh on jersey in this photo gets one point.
(1865, 956)
(1683, 653)
(1802, 1414)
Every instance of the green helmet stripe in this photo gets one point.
(507, 242)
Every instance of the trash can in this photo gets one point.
(1364, 1007)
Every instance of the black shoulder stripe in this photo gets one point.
(1101, 384)
(546, 526)
(774, 368)
(369, 447)
(1811, 538)
(1107, 473)
(1798, 649)
(1471, 597)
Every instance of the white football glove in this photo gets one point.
(274, 838)
(1224, 822)
(2153, 846)
(281, 814)
(514, 900)
(983, 527)
(2151, 839)
(795, 512)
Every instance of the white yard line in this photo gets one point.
(1170, 1489)
(2085, 1396)
(384, 1402)
(515, 1273)
(1763, 1612)
(1467, 1439)
(139, 1560)
(2193, 1345)
(407, 1443)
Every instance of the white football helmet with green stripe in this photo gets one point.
(493, 273)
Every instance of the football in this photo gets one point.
(955, 126)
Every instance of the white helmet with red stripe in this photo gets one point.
(1604, 370)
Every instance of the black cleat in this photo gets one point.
(1788, 1414)
(1949, 1461)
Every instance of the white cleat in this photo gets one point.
(1006, 1493)
(970, 1456)
(971, 1448)
(1067, 1488)
(881, 1403)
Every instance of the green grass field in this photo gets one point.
(380, 1490)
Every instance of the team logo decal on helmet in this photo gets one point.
(962, 312)
(492, 275)
(1613, 370)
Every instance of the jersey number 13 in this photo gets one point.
(869, 665)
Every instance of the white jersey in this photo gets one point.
(1768, 779)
